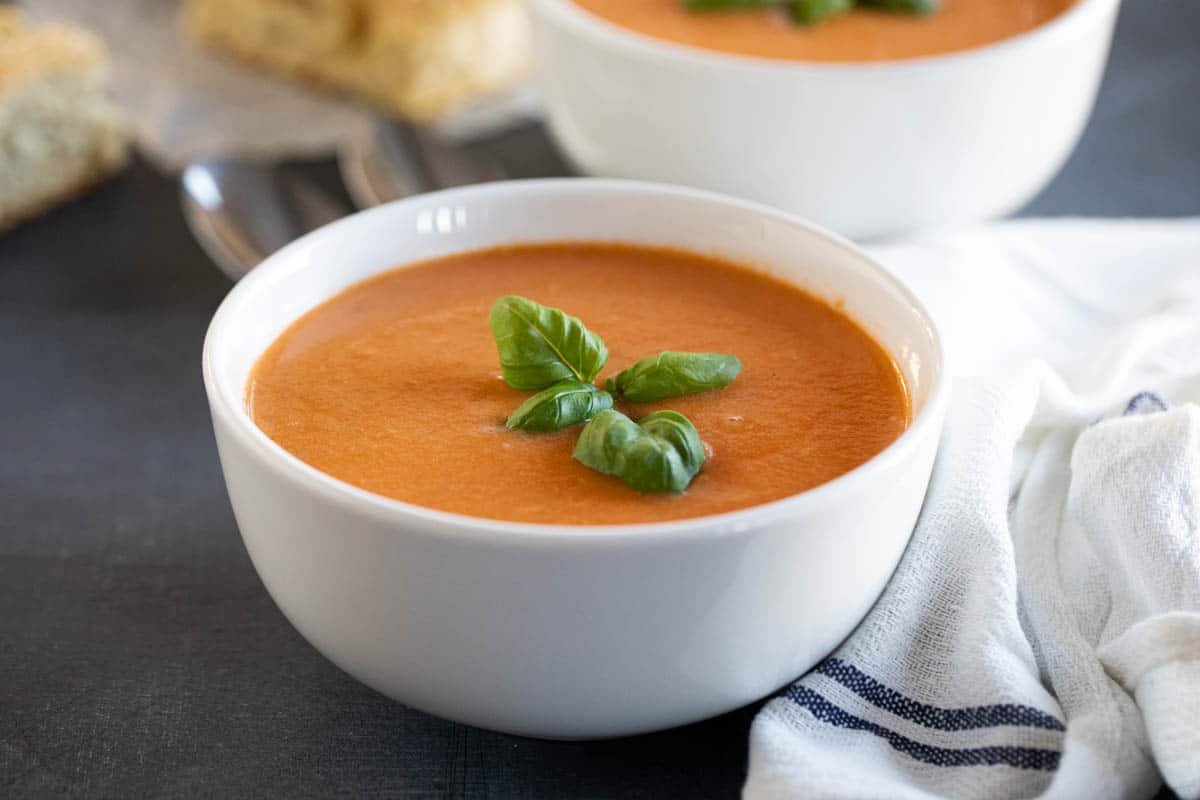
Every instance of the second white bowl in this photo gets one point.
(865, 149)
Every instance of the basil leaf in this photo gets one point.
(662, 453)
(678, 431)
(907, 6)
(674, 374)
(564, 404)
(604, 438)
(810, 12)
(540, 346)
(650, 464)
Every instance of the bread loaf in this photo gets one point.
(59, 132)
(419, 59)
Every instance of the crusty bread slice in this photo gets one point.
(420, 59)
(59, 133)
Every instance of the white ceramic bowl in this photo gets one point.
(865, 149)
(559, 631)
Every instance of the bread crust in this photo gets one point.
(420, 59)
(63, 134)
(29, 52)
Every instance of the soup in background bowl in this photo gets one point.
(860, 35)
(865, 135)
(570, 630)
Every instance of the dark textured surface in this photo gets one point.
(1140, 155)
(140, 655)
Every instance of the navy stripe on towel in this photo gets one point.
(942, 719)
(1143, 399)
(1019, 757)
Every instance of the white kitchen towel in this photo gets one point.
(1041, 637)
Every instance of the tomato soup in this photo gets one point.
(862, 34)
(394, 385)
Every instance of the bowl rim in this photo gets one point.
(636, 44)
(234, 416)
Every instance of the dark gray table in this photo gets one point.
(140, 655)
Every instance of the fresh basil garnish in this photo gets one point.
(810, 12)
(904, 6)
(674, 374)
(603, 439)
(678, 431)
(662, 453)
(564, 404)
(540, 346)
(547, 349)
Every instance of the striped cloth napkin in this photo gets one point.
(1041, 637)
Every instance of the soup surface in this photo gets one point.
(860, 35)
(394, 385)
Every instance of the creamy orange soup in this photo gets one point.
(859, 35)
(394, 385)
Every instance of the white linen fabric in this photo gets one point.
(1041, 637)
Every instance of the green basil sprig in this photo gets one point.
(675, 374)
(810, 12)
(547, 349)
(562, 405)
(603, 440)
(905, 6)
(540, 346)
(678, 431)
(660, 453)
